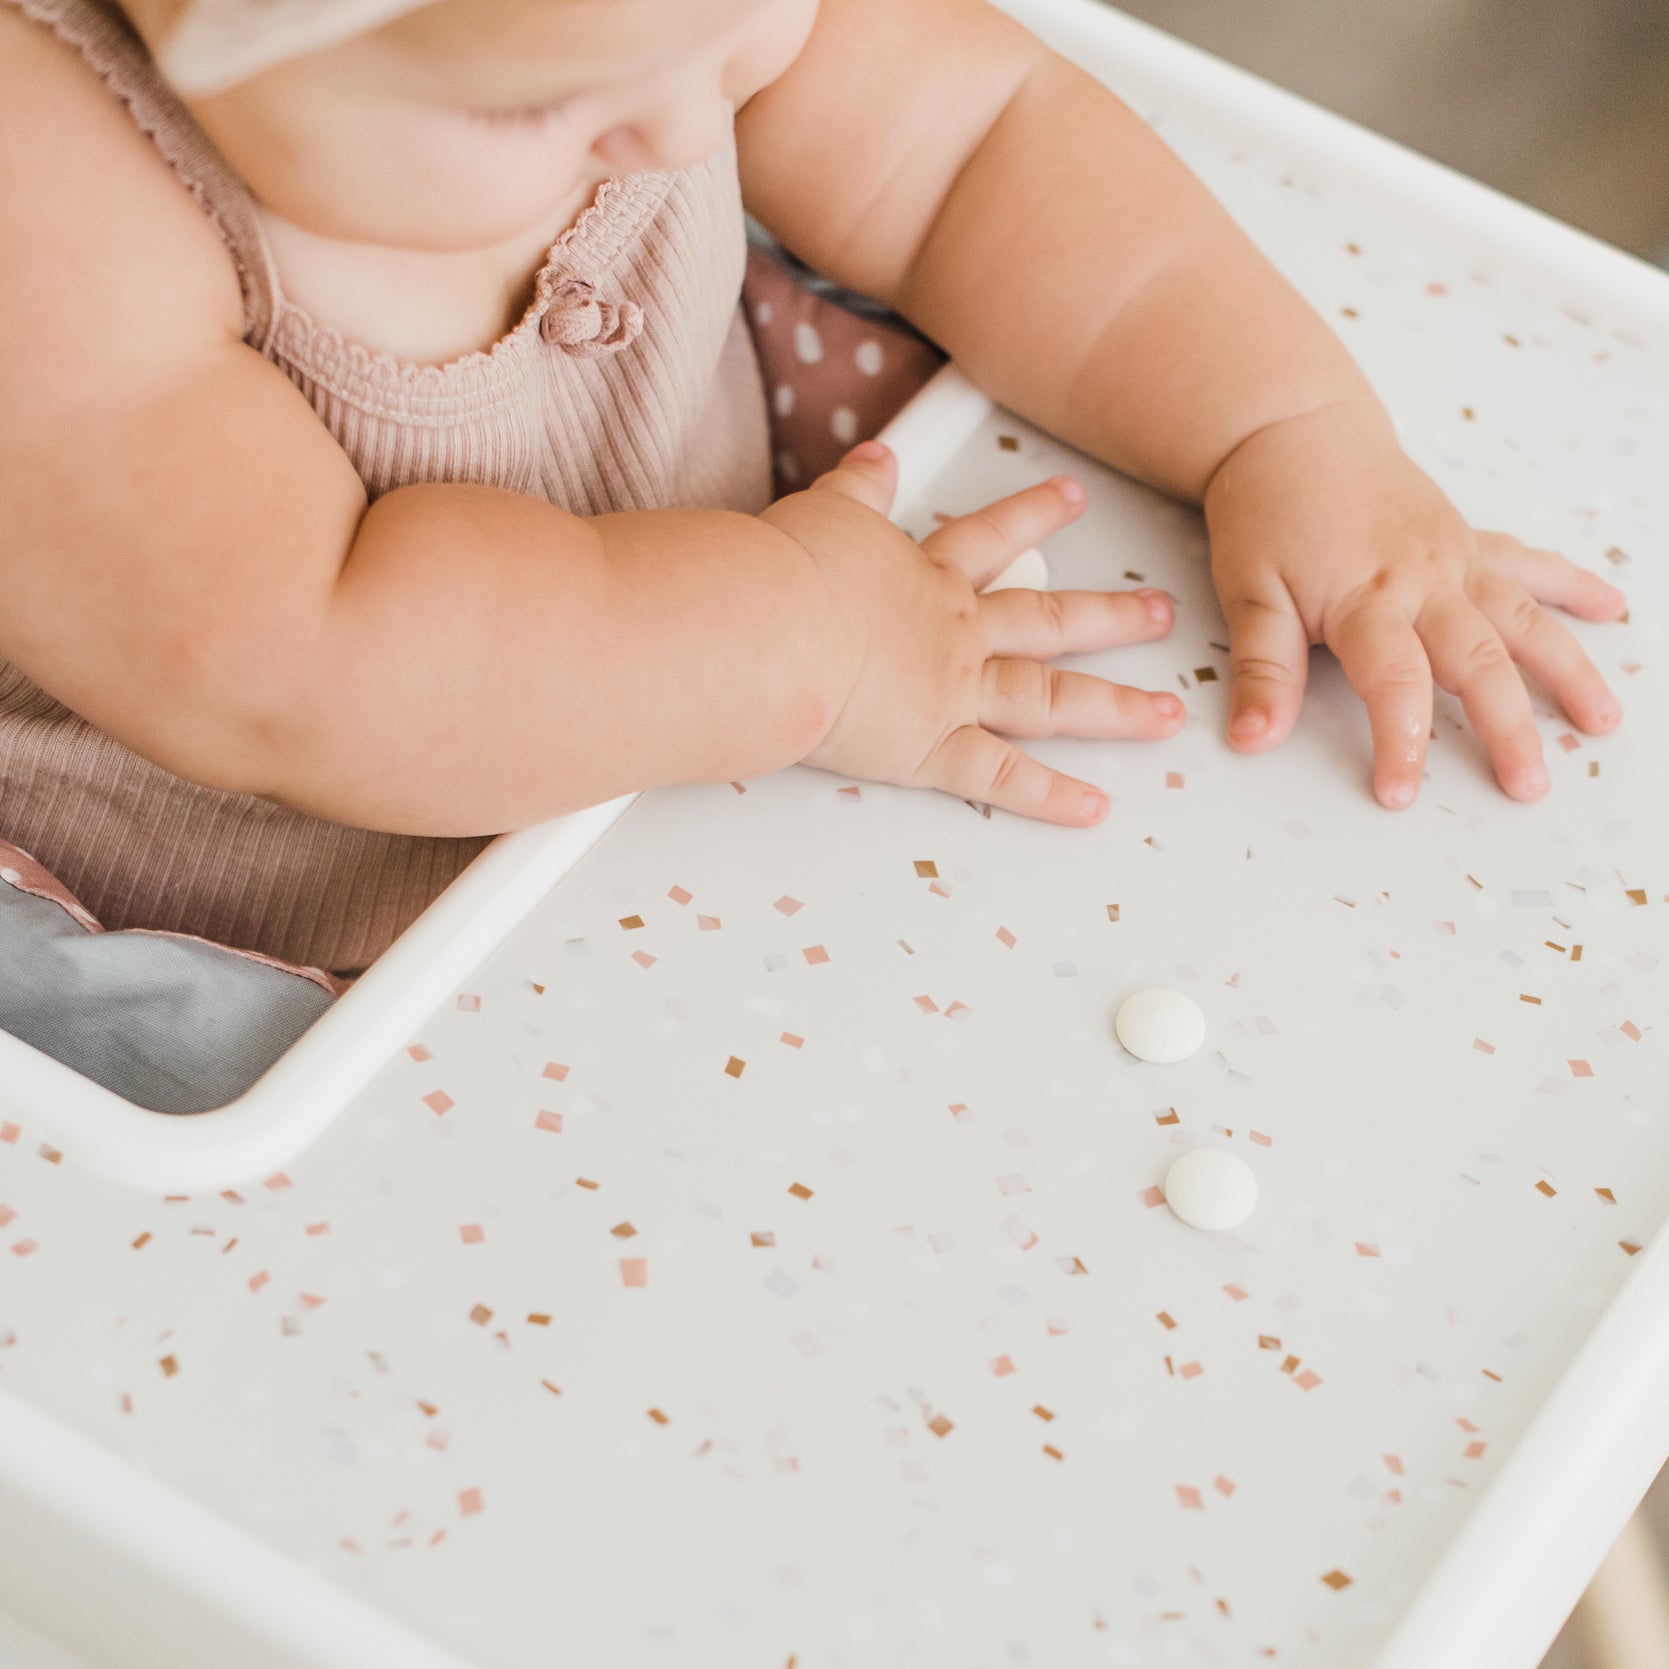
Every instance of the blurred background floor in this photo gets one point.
(1561, 103)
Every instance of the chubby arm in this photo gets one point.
(189, 562)
(935, 154)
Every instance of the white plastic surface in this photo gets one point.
(296, 1100)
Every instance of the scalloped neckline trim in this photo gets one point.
(604, 230)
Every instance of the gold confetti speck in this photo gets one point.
(926, 869)
(1336, 1579)
(630, 922)
(623, 1231)
(480, 1315)
(800, 1191)
(169, 1367)
(735, 1066)
(659, 1418)
(1547, 1189)
(940, 1426)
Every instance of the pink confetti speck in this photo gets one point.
(472, 1234)
(815, 954)
(1189, 1498)
(1580, 1069)
(548, 1120)
(318, 1228)
(24, 1247)
(1366, 1249)
(1151, 1197)
(469, 1004)
(1630, 1030)
(437, 1101)
(1190, 1370)
(634, 1272)
(1569, 742)
(7, 1215)
(258, 1280)
(1261, 1139)
(9, 1132)
(419, 1051)
(1306, 1381)
(1223, 1486)
(1006, 937)
(1445, 927)
(1475, 1451)
(277, 1181)
(554, 1069)
(1482, 1047)
(792, 1041)
(678, 895)
(1002, 1365)
(707, 924)
(1237, 1293)
(957, 1010)
(926, 1004)
(643, 959)
(787, 906)
(1394, 1465)
(1173, 779)
(469, 1502)
(1014, 1184)
(1020, 1233)
(310, 1300)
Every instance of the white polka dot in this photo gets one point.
(764, 313)
(808, 345)
(788, 467)
(868, 357)
(784, 399)
(844, 424)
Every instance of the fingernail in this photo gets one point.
(1094, 804)
(1397, 795)
(1535, 779)
(1072, 491)
(1608, 711)
(1249, 725)
(1167, 706)
(872, 450)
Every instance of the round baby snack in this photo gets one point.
(1027, 572)
(1160, 1025)
(1210, 1188)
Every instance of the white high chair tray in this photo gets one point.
(756, 1259)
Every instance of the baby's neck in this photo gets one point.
(418, 306)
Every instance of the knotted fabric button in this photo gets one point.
(579, 322)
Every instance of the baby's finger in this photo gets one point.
(1269, 659)
(1543, 647)
(1469, 659)
(976, 765)
(1028, 699)
(982, 543)
(1044, 624)
(1386, 665)
(868, 473)
(1551, 578)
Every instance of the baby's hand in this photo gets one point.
(1324, 531)
(942, 674)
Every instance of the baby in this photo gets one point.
(384, 460)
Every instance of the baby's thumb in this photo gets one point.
(868, 473)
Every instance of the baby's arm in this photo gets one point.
(935, 154)
(187, 560)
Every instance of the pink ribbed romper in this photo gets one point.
(630, 384)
